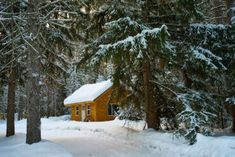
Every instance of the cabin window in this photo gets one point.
(88, 110)
(77, 110)
(112, 109)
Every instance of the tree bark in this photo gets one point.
(233, 116)
(21, 105)
(151, 109)
(187, 81)
(218, 12)
(11, 87)
(233, 129)
(33, 90)
(11, 103)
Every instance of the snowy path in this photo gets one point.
(98, 147)
(98, 139)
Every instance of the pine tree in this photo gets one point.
(9, 59)
(170, 63)
(32, 34)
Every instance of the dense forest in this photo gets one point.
(176, 59)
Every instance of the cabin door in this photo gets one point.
(83, 112)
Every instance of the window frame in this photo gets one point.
(88, 109)
(77, 110)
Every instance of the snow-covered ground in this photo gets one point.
(16, 147)
(65, 138)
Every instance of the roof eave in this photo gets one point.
(78, 103)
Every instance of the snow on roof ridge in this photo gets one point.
(88, 92)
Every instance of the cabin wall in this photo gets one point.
(102, 106)
(99, 107)
(91, 117)
(73, 112)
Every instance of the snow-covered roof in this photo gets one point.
(88, 92)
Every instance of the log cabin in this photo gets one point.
(93, 102)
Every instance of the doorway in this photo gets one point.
(83, 112)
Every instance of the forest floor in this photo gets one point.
(65, 138)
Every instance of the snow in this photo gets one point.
(138, 43)
(127, 21)
(195, 117)
(233, 20)
(88, 92)
(231, 100)
(16, 146)
(132, 40)
(116, 138)
(207, 56)
(233, 17)
(208, 26)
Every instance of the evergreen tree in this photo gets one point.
(169, 70)
(36, 24)
(9, 42)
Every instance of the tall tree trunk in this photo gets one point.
(21, 106)
(232, 108)
(218, 11)
(11, 88)
(11, 103)
(231, 13)
(187, 81)
(151, 109)
(48, 102)
(33, 90)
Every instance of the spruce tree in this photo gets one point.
(37, 24)
(160, 61)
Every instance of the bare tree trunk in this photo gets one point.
(221, 112)
(21, 105)
(232, 108)
(48, 102)
(151, 109)
(218, 11)
(11, 103)
(233, 129)
(33, 90)
(11, 90)
(187, 81)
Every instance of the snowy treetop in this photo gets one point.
(88, 92)
(135, 44)
(208, 57)
(118, 24)
(208, 26)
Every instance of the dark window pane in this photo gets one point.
(115, 108)
(77, 110)
(88, 109)
(112, 109)
(109, 109)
